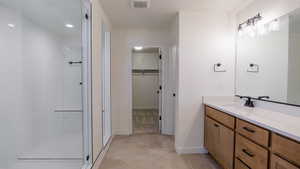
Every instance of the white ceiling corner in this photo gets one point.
(161, 12)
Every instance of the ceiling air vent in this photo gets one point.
(140, 3)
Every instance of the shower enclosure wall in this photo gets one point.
(41, 114)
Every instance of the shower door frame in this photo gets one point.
(86, 84)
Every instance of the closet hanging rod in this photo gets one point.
(145, 71)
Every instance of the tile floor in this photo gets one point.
(151, 151)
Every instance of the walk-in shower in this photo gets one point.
(41, 101)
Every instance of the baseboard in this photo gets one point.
(191, 150)
(122, 132)
(100, 158)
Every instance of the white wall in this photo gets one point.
(36, 80)
(98, 18)
(205, 38)
(123, 40)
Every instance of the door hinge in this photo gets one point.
(87, 158)
(160, 87)
(159, 117)
(86, 16)
(174, 95)
(160, 57)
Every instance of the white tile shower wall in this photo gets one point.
(35, 79)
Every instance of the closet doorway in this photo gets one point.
(147, 90)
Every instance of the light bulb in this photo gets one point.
(274, 25)
(261, 29)
(250, 30)
(241, 32)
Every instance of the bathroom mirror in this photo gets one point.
(268, 59)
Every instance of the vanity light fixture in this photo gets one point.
(249, 26)
(274, 25)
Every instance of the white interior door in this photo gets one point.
(106, 91)
(168, 115)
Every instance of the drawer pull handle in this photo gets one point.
(249, 130)
(216, 125)
(248, 153)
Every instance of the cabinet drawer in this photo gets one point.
(257, 134)
(240, 165)
(286, 148)
(221, 117)
(253, 155)
(278, 163)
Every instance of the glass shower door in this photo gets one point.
(41, 84)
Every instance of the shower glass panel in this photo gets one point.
(41, 84)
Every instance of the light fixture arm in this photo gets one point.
(251, 21)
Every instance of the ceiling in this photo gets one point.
(50, 14)
(161, 12)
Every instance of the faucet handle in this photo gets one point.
(263, 97)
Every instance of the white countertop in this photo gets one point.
(286, 124)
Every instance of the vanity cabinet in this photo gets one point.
(219, 141)
(238, 144)
(286, 148)
(279, 163)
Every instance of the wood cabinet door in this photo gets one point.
(212, 135)
(226, 147)
(219, 141)
(278, 163)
